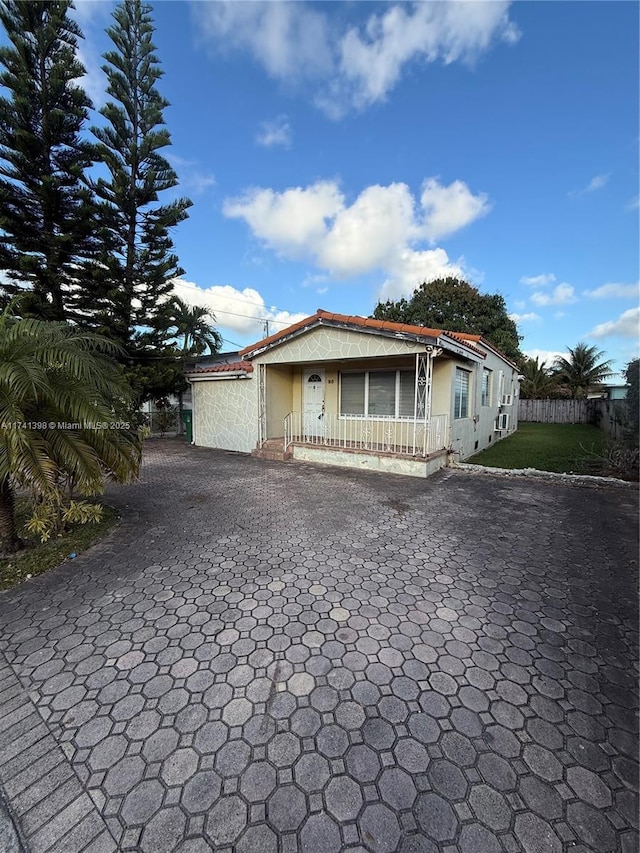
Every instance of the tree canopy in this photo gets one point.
(454, 304)
(140, 263)
(582, 371)
(192, 325)
(538, 382)
(61, 395)
(46, 224)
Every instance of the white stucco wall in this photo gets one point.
(480, 425)
(364, 461)
(225, 413)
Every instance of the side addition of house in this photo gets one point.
(361, 393)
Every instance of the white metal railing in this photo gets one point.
(386, 435)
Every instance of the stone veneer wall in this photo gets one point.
(328, 344)
(225, 413)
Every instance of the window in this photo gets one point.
(407, 393)
(378, 394)
(461, 395)
(352, 393)
(382, 394)
(486, 387)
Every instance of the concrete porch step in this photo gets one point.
(272, 448)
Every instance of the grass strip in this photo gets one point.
(38, 557)
(563, 448)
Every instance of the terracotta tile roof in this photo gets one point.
(233, 367)
(365, 322)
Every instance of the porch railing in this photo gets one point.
(382, 435)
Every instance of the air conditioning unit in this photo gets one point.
(507, 400)
(502, 422)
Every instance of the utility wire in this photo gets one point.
(243, 300)
(216, 311)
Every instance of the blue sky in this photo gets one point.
(337, 153)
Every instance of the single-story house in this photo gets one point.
(358, 392)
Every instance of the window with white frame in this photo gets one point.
(378, 394)
(486, 387)
(461, 394)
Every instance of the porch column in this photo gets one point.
(423, 388)
(262, 404)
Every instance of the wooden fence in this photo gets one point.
(609, 415)
(557, 411)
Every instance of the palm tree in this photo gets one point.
(192, 324)
(60, 395)
(582, 371)
(538, 381)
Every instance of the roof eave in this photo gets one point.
(203, 376)
(393, 334)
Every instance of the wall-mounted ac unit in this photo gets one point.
(507, 400)
(502, 422)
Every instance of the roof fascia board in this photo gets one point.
(459, 348)
(249, 356)
(384, 333)
(213, 377)
(487, 346)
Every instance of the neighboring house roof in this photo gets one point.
(197, 362)
(229, 367)
(434, 336)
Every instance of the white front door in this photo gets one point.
(313, 402)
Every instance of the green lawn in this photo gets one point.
(564, 448)
(37, 557)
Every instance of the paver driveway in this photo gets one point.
(270, 657)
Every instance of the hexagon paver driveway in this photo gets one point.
(270, 657)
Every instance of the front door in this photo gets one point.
(313, 402)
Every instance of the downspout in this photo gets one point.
(193, 411)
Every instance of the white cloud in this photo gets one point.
(354, 66)
(596, 183)
(410, 268)
(373, 57)
(448, 209)
(91, 11)
(290, 40)
(634, 204)
(545, 356)
(562, 294)
(91, 16)
(525, 318)
(275, 132)
(614, 290)
(293, 222)
(193, 179)
(626, 326)
(94, 81)
(365, 235)
(538, 280)
(243, 311)
(381, 230)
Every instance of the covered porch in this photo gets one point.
(381, 435)
(375, 406)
